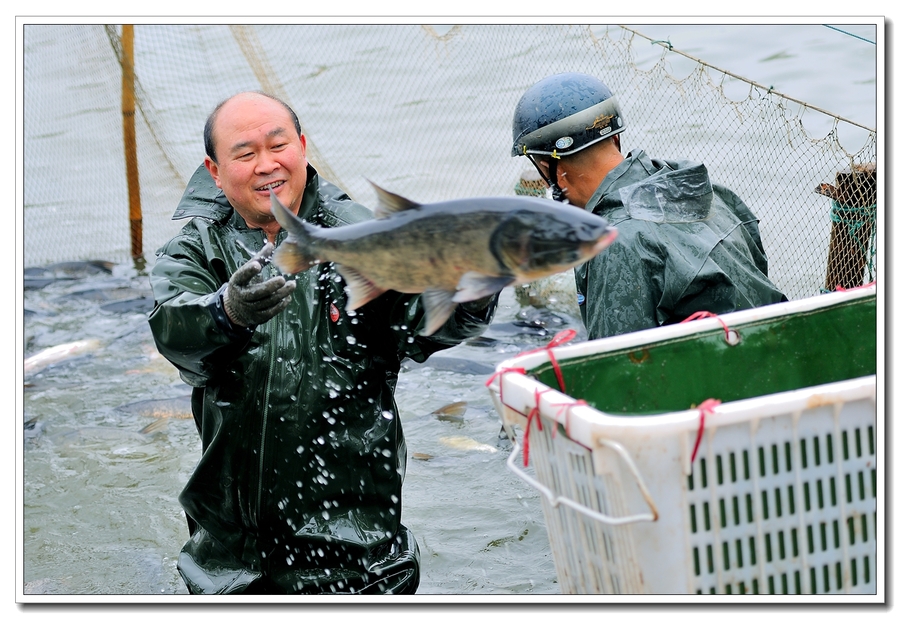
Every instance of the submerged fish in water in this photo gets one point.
(451, 364)
(172, 408)
(451, 252)
(55, 354)
(451, 412)
(33, 428)
(464, 443)
(70, 270)
(110, 434)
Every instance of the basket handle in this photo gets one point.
(555, 500)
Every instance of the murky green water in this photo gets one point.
(101, 514)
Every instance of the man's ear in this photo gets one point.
(213, 168)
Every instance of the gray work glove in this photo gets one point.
(251, 300)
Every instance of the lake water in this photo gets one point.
(100, 515)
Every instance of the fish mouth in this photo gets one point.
(604, 241)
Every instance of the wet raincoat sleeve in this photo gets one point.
(188, 320)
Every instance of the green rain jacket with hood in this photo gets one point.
(684, 245)
(299, 482)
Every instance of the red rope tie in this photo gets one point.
(565, 407)
(560, 338)
(706, 407)
(499, 373)
(533, 413)
(705, 314)
(538, 394)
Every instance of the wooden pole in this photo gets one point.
(130, 141)
(853, 207)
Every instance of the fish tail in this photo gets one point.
(294, 254)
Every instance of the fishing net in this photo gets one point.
(423, 112)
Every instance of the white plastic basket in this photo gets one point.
(779, 499)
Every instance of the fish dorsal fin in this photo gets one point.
(390, 203)
(359, 289)
(439, 305)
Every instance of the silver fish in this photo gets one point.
(55, 354)
(451, 252)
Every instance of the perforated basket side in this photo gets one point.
(590, 557)
(780, 500)
(786, 504)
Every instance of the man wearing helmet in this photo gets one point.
(685, 244)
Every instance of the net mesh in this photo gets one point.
(424, 113)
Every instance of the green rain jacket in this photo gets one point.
(684, 245)
(299, 482)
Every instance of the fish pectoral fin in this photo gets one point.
(290, 259)
(390, 203)
(473, 286)
(155, 426)
(439, 305)
(360, 290)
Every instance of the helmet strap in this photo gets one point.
(550, 178)
(555, 190)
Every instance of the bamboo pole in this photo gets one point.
(130, 142)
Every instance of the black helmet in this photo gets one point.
(563, 114)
